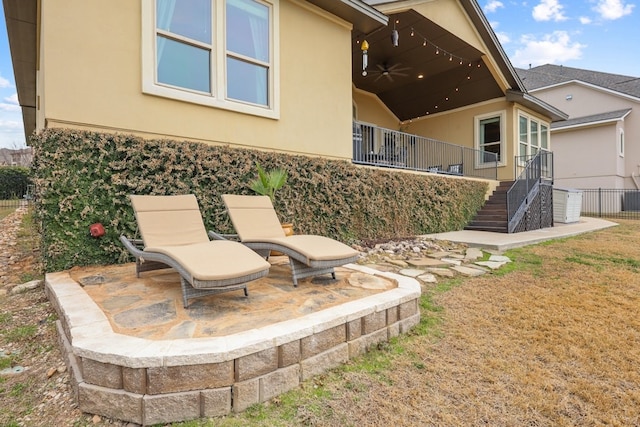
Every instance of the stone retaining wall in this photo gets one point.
(150, 382)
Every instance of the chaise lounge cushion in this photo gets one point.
(169, 220)
(316, 248)
(213, 261)
(255, 220)
(173, 226)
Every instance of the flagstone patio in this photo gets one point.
(137, 355)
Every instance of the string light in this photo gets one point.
(447, 98)
(395, 36)
(395, 39)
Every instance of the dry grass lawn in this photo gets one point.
(553, 339)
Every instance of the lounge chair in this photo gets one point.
(173, 235)
(258, 227)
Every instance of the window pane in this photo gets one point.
(182, 65)
(247, 82)
(191, 18)
(543, 137)
(523, 150)
(534, 134)
(248, 29)
(491, 148)
(490, 130)
(490, 136)
(523, 129)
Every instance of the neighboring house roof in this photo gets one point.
(601, 118)
(552, 75)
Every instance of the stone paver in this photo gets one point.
(429, 260)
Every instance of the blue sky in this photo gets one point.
(598, 35)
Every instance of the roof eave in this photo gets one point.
(363, 17)
(536, 104)
(489, 36)
(21, 21)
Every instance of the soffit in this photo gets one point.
(21, 19)
(455, 77)
(363, 17)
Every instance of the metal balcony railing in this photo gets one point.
(376, 146)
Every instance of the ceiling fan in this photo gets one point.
(395, 70)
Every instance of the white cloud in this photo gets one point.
(550, 49)
(11, 133)
(13, 99)
(503, 38)
(585, 20)
(10, 125)
(492, 6)
(548, 10)
(613, 9)
(9, 107)
(4, 82)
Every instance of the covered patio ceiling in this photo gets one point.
(428, 72)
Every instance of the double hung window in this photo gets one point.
(220, 53)
(490, 137)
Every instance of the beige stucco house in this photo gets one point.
(284, 75)
(598, 146)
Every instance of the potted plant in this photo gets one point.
(267, 183)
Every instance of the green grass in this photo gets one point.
(21, 333)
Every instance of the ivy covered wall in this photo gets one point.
(85, 177)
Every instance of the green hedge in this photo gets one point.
(14, 181)
(85, 177)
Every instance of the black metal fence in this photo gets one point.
(15, 197)
(376, 146)
(611, 203)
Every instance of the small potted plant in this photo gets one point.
(267, 183)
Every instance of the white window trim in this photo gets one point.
(218, 99)
(540, 123)
(621, 143)
(503, 132)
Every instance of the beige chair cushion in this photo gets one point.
(253, 217)
(216, 260)
(169, 220)
(316, 248)
(255, 220)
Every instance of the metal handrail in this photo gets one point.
(526, 186)
(377, 146)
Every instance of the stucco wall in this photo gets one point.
(579, 100)
(91, 59)
(457, 127)
(586, 158)
(370, 109)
